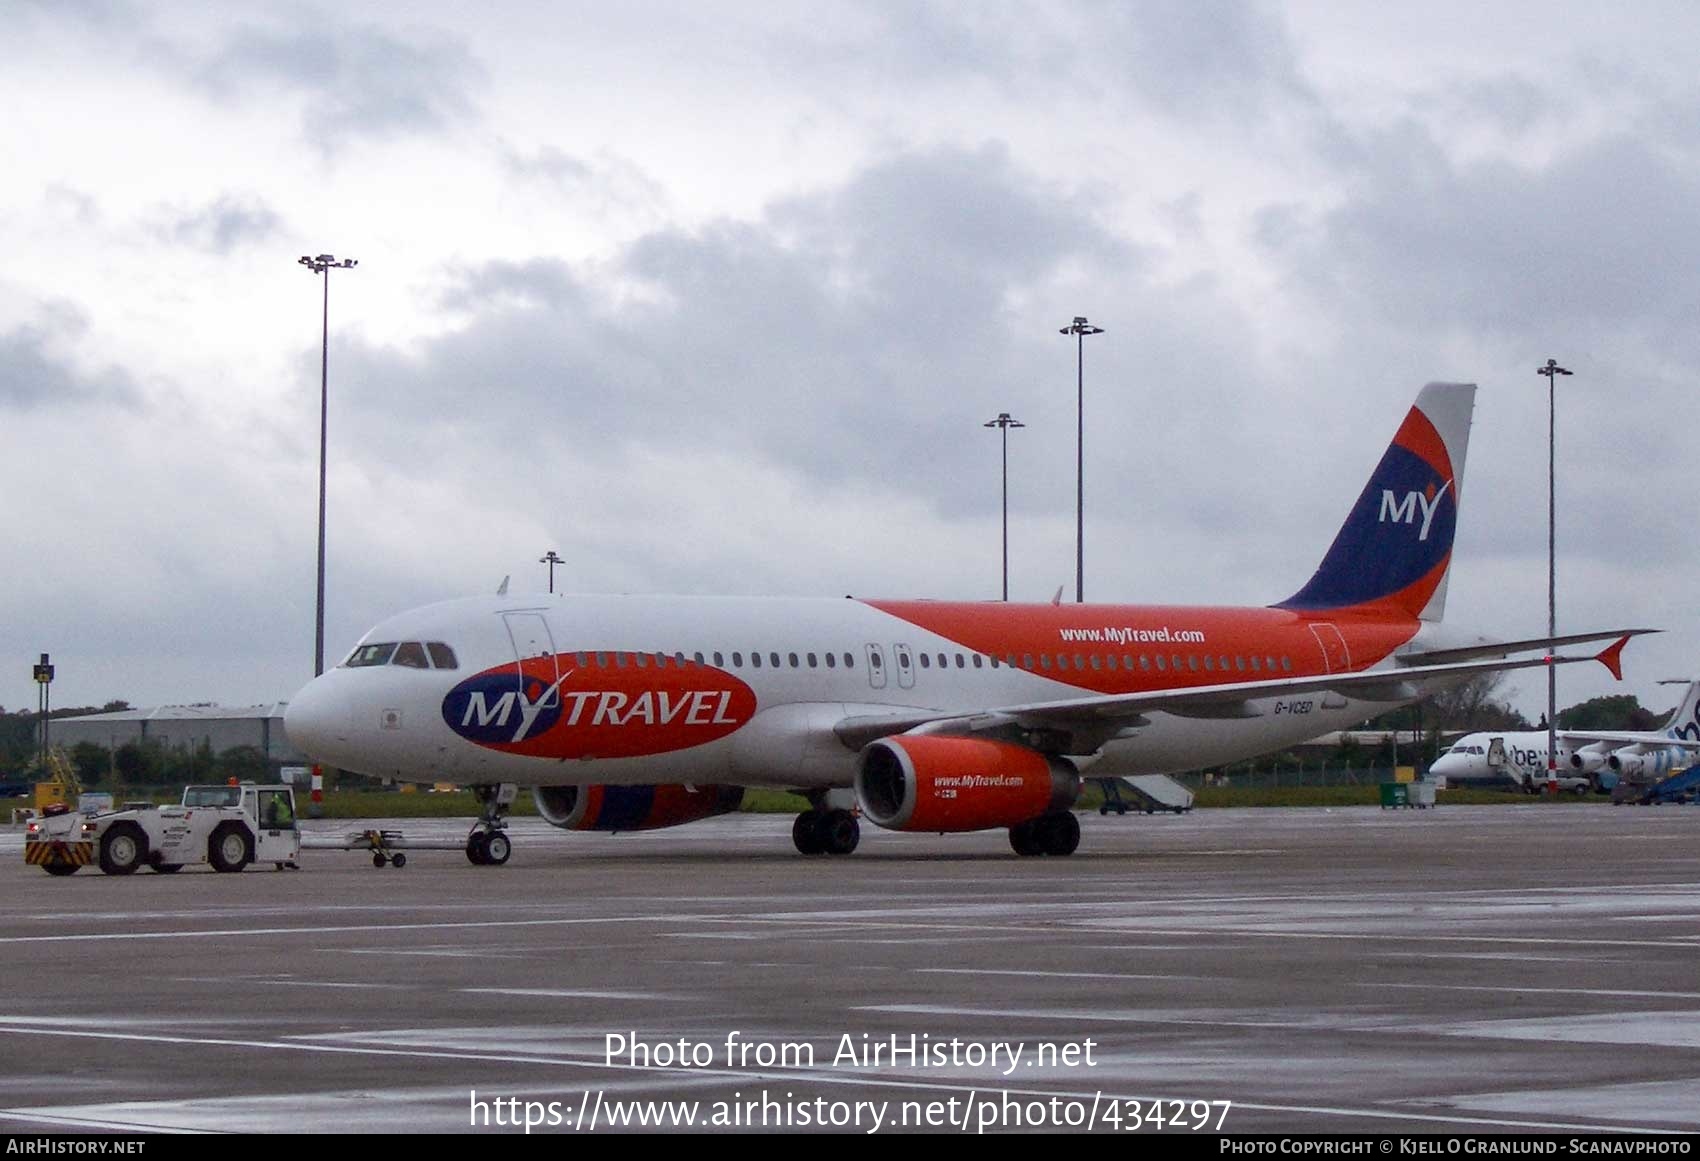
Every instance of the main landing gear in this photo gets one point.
(1057, 833)
(488, 845)
(826, 832)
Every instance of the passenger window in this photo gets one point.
(602, 661)
(1254, 666)
(679, 659)
(1079, 661)
(944, 663)
(755, 659)
(583, 661)
(365, 656)
(1161, 667)
(1044, 661)
(793, 659)
(1144, 662)
(873, 659)
(773, 659)
(1111, 661)
(642, 660)
(412, 655)
(1209, 662)
(832, 660)
(1192, 662)
(849, 661)
(1027, 661)
(441, 655)
(719, 659)
(1239, 664)
(619, 661)
(737, 660)
(811, 660)
(926, 662)
(1286, 665)
(1098, 662)
(1269, 664)
(979, 661)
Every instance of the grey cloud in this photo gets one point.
(32, 376)
(359, 82)
(1194, 58)
(1190, 59)
(852, 335)
(220, 226)
(1608, 235)
(605, 182)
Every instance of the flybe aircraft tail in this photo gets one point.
(1396, 545)
(1685, 719)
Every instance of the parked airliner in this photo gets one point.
(1519, 758)
(632, 712)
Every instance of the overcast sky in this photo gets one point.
(715, 297)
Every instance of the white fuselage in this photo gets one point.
(553, 691)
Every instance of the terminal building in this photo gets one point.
(187, 727)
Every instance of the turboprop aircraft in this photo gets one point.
(632, 712)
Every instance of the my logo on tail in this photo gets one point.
(1427, 502)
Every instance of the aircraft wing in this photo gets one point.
(1628, 738)
(1091, 721)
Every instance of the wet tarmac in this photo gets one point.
(1464, 969)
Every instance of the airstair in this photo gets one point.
(1150, 792)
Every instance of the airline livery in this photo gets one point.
(627, 713)
(1584, 756)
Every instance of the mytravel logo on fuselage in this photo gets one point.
(555, 708)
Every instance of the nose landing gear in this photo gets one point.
(488, 845)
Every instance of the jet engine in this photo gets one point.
(1589, 759)
(920, 782)
(617, 808)
(1627, 762)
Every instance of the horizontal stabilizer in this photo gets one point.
(1502, 648)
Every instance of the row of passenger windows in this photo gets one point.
(679, 660)
(411, 654)
(437, 655)
(1191, 662)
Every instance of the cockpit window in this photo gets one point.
(411, 654)
(365, 655)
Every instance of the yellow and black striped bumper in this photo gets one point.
(76, 854)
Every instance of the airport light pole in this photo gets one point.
(1080, 328)
(1551, 370)
(323, 265)
(551, 560)
(1003, 423)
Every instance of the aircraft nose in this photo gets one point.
(317, 718)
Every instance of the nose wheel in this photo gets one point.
(488, 845)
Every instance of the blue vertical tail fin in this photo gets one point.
(1395, 547)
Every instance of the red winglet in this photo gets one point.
(1612, 657)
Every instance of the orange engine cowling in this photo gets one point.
(936, 783)
(616, 808)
